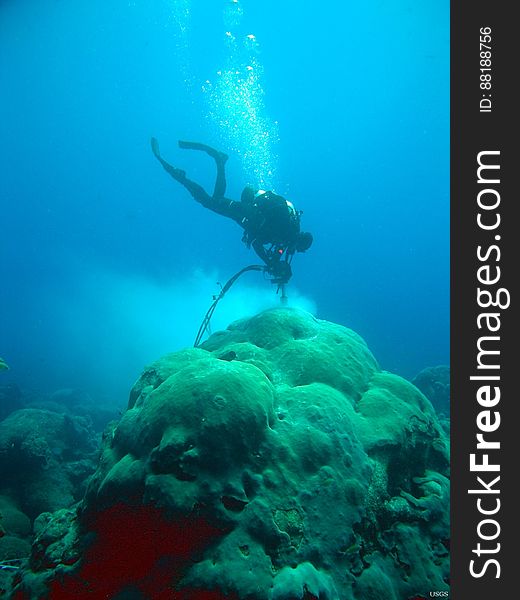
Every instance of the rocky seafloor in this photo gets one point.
(275, 462)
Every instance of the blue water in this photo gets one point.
(106, 263)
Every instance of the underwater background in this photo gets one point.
(106, 263)
(287, 457)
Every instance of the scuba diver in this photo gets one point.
(271, 224)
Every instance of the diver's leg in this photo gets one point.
(220, 159)
(217, 203)
(196, 190)
(220, 181)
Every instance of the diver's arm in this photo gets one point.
(279, 270)
(262, 252)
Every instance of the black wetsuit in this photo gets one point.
(270, 225)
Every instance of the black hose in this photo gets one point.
(207, 318)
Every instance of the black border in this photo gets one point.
(471, 132)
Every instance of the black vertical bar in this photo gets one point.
(483, 119)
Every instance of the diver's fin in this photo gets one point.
(155, 147)
(205, 148)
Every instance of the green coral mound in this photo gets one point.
(326, 476)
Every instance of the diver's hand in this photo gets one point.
(155, 147)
